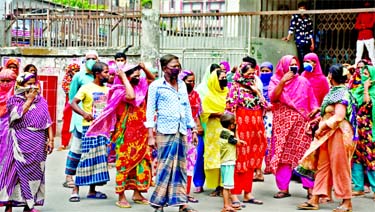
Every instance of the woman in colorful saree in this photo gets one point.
(329, 156)
(364, 157)
(124, 117)
(29, 141)
(246, 101)
(7, 81)
(213, 107)
(293, 99)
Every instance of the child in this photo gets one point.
(228, 157)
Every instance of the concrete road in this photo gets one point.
(57, 196)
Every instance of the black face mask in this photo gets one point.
(134, 81)
(104, 80)
(189, 87)
(223, 83)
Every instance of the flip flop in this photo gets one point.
(238, 204)
(74, 198)
(69, 184)
(253, 201)
(97, 195)
(142, 201)
(123, 204)
(192, 199)
(281, 194)
(342, 209)
(308, 206)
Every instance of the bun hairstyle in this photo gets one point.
(337, 72)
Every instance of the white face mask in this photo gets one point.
(120, 64)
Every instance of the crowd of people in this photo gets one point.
(168, 133)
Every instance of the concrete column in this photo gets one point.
(150, 40)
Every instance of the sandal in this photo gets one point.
(324, 200)
(69, 183)
(281, 194)
(123, 204)
(358, 193)
(142, 201)
(192, 199)
(187, 209)
(238, 204)
(253, 201)
(97, 195)
(74, 198)
(342, 209)
(308, 206)
(228, 209)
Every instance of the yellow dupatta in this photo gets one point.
(215, 99)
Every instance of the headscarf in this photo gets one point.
(69, 73)
(266, 78)
(105, 123)
(297, 92)
(13, 61)
(21, 80)
(317, 80)
(6, 91)
(359, 92)
(185, 73)
(202, 88)
(239, 78)
(226, 65)
(215, 100)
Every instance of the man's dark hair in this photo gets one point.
(227, 119)
(302, 4)
(120, 55)
(98, 68)
(166, 59)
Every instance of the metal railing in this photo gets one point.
(54, 25)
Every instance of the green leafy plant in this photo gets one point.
(146, 4)
(81, 4)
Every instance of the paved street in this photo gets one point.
(57, 196)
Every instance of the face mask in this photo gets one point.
(6, 86)
(265, 77)
(103, 80)
(134, 81)
(308, 67)
(223, 83)
(189, 87)
(120, 65)
(174, 71)
(90, 64)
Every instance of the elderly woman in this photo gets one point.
(293, 99)
(195, 151)
(22, 180)
(314, 74)
(13, 64)
(213, 107)
(7, 81)
(246, 101)
(363, 158)
(329, 156)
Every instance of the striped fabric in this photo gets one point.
(93, 166)
(22, 175)
(72, 161)
(171, 172)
